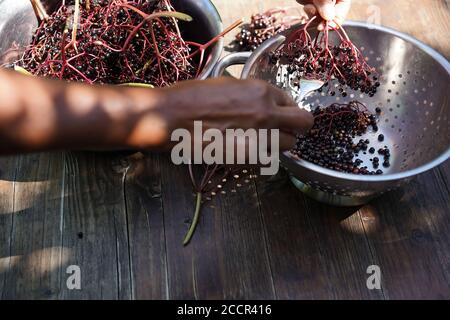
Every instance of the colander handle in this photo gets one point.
(230, 60)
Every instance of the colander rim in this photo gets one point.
(395, 176)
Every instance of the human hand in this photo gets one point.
(333, 11)
(227, 103)
(64, 115)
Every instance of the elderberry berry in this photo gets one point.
(330, 143)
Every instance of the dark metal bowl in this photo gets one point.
(17, 22)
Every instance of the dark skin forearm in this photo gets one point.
(37, 114)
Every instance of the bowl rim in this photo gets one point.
(287, 156)
(218, 47)
(208, 9)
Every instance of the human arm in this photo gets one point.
(39, 114)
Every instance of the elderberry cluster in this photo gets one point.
(331, 141)
(339, 63)
(106, 50)
(262, 27)
(320, 58)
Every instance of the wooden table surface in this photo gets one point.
(121, 219)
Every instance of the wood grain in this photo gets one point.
(146, 230)
(8, 167)
(409, 231)
(227, 257)
(122, 218)
(317, 252)
(35, 234)
(95, 226)
(427, 20)
(342, 250)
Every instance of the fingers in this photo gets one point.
(329, 10)
(286, 115)
(342, 10)
(281, 98)
(310, 10)
(287, 141)
(331, 24)
(245, 148)
(292, 119)
(326, 9)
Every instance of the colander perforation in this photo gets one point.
(415, 101)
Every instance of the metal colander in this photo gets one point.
(414, 96)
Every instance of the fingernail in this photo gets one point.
(326, 9)
(328, 12)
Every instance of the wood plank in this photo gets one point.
(430, 23)
(35, 247)
(146, 227)
(317, 251)
(95, 226)
(8, 167)
(288, 227)
(445, 175)
(314, 221)
(227, 257)
(288, 247)
(427, 20)
(440, 224)
(408, 230)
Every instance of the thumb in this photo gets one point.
(326, 9)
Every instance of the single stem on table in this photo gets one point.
(190, 233)
(200, 189)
